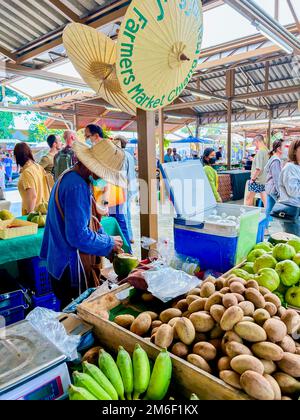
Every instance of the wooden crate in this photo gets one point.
(189, 379)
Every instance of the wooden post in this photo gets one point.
(230, 92)
(161, 153)
(229, 134)
(269, 133)
(147, 174)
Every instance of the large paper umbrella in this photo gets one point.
(93, 55)
(157, 51)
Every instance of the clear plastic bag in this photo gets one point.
(46, 323)
(187, 264)
(167, 283)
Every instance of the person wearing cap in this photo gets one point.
(69, 233)
(132, 184)
(208, 160)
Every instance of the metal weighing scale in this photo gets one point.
(31, 367)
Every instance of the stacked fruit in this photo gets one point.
(123, 378)
(276, 268)
(234, 329)
(39, 216)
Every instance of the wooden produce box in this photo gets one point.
(16, 228)
(188, 378)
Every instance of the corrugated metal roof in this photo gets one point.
(282, 75)
(24, 21)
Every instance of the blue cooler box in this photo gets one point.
(195, 234)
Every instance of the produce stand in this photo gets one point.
(188, 378)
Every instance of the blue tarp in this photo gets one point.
(188, 140)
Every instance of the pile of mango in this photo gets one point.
(126, 378)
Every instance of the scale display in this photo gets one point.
(48, 392)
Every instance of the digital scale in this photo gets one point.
(31, 367)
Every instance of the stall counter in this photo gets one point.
(16, 249)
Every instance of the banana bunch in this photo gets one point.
(124, 379)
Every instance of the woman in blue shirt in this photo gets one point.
(68, 232)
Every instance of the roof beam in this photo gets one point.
(107, 15)
(271, 92)
(259, 52)
(258, 16)
(295, 16)
(8, 54)
(15, 69)
(22, 108)
(65, 11)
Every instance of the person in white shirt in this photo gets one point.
(2, 181)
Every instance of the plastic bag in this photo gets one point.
(187, 264)
(47, 324)
(167, 284)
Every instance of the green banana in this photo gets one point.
(85, 381)
(80, 394)
(124, 364)
(160, 378)
(141, 371)
(101, 379)
(111, 371)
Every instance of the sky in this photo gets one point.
(222, 24)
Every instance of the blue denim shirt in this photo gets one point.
(62, 239)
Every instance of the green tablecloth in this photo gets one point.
(30, 246)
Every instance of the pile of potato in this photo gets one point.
(234, 329)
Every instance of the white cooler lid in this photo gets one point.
(188, 188)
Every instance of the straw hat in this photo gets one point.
(104, 159)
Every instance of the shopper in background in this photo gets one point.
(219, 154)
(47, 161)
(93, 134)
(258, 180)
(132, 184)
(273, 170)
(33, 183)
(66, 158)
(73, 236)
(176, 156)
(2, 181)
(289, 186)
(168, 156)
(8, 163)
(208, 160)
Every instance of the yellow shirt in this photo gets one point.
(33, 176)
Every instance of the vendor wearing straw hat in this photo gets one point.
(72, 234)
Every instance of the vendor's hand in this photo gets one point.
(118, 244)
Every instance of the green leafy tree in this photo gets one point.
(7, 121)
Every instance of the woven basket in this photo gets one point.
(17, 228)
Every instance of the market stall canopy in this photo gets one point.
(158, 49)
(93, 55)
(191, 139)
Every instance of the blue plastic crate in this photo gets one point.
(34, 274)
(49, 301)
(14, 315)
(12, 300)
